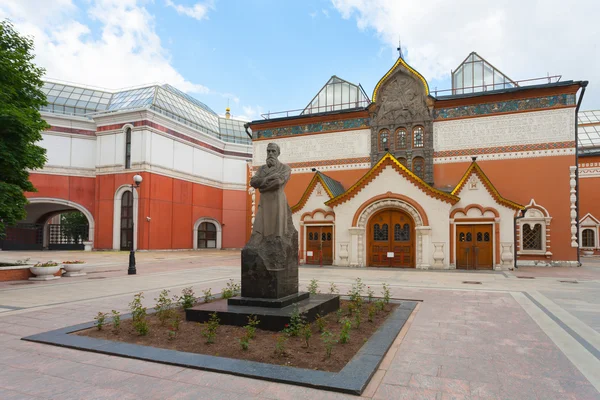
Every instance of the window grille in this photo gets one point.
(588, 238)
(384, 140)
(380, 233)
(418, 134)
(532, 238)
(401, 138)
(128, 149)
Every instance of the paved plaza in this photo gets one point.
(533, 333)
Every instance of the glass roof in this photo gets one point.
(477, 75)
(337, 94)
(165, 99)
(589, 131)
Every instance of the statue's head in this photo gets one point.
(273, 152)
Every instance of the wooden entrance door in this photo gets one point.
(319, 243)
(390, 240)
(474, 249)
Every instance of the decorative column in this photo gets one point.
(423, 241)
(507, 254)
(573, 199)
(356, 246)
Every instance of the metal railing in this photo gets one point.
(316, 110)
(497, 86)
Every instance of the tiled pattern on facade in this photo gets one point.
(505, 149)
(509, 106)
(63, 129)
(346, 124)
(323, 163)
(176, 134)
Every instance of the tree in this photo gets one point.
(71, 225)
(20, 123)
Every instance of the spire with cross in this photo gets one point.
(400, 48)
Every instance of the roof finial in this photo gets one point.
(400, 48)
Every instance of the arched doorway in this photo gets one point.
(207, 234)
(391, 239)
(126, 221)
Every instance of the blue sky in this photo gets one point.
(273, 55)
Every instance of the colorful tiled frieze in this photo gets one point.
(354, 123)
(562, 100)
(505, 149)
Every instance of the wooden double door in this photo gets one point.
(319, 245)
(391, 240)
(474, 247)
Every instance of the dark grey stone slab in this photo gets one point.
(353, 378)
(270, 303)
(272, 319)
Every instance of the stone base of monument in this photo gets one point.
(273, 314)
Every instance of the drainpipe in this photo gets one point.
(583, 86)
(515, 237)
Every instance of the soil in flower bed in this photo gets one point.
(262, 347)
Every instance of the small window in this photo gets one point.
(329, 237)
(469, 237)
(207, 236)
(588, 237)
(419, 167)
(461, 237)
(418, 136)
(532, 238)
(380, 233)
(310, 236)
(128, 149)
(401, 139)
(479, 236)
(384, 140)
(486, 237)
(323, 237)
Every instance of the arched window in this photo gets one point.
(207, 236)
(128, 148)
(418, 136)
(384, 140)
(126, 220)
(588, 238)
(419, 166)
(401, 138)
(532, 237)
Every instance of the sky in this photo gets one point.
(261, 56)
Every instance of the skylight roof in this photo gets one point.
(589, 131)
(477, 75)
(337, 94)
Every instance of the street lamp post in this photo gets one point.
(137, 179)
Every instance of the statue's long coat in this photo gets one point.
(273, 210)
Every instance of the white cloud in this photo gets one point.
(251, 113)
(524, 39)
(125, 51)
(198, 11)
(325, 12)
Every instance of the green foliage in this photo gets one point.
(116, 320)
(175, 322)
(207, 295)
(280, 345)
(296, 323)
(333, 289)
(328, 341)
(379, 305)
(370, 293)
(372, 311)
(163, 307)
(172, 334)
(313, 286)
(320, 321)
(20, 123)
(356, 293)
(345, 332)
(209, 330)
(357, 319)
(100, 320)
(244, 342)
(386, 293)
(138, 315)
(253, 322)
(70, 226)
(232, 289)
(339, 314)
(306, 333)
(188, 298)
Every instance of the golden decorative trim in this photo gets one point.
(389, 159)
(474, 168)
(408, 67)
(309, 189)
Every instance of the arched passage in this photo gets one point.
(125, 214)
(204, 235)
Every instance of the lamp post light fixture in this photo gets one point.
(137, 180)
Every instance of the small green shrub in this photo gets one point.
(306, 333)
(171, 334)
(380, 305)
(233, 289)
(163, 307)
(386, 293)
(333, 289)
(320, 321)
(175, 322)
(116, 320)
(207, 295)
(357, 320)
(100, 320)
(188, 298)
(313, 286)
(356, 293)
(372, 311)
(328, 341)
(345, 332)
(244, 342)
(280, 345)
(370, 293)
(138, 315)
(339, 314)
(209, 330)
(296, 323)
(251, 327)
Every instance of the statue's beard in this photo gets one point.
(271, 161)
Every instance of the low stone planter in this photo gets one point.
(587, 252)
(44, 273)
(74, 269)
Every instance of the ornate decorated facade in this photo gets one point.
(476, 179)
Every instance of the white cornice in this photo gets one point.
(505, 156)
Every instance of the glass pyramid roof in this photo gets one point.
(475, 74)
(165, 99)
(337, 94)
(589, 131)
